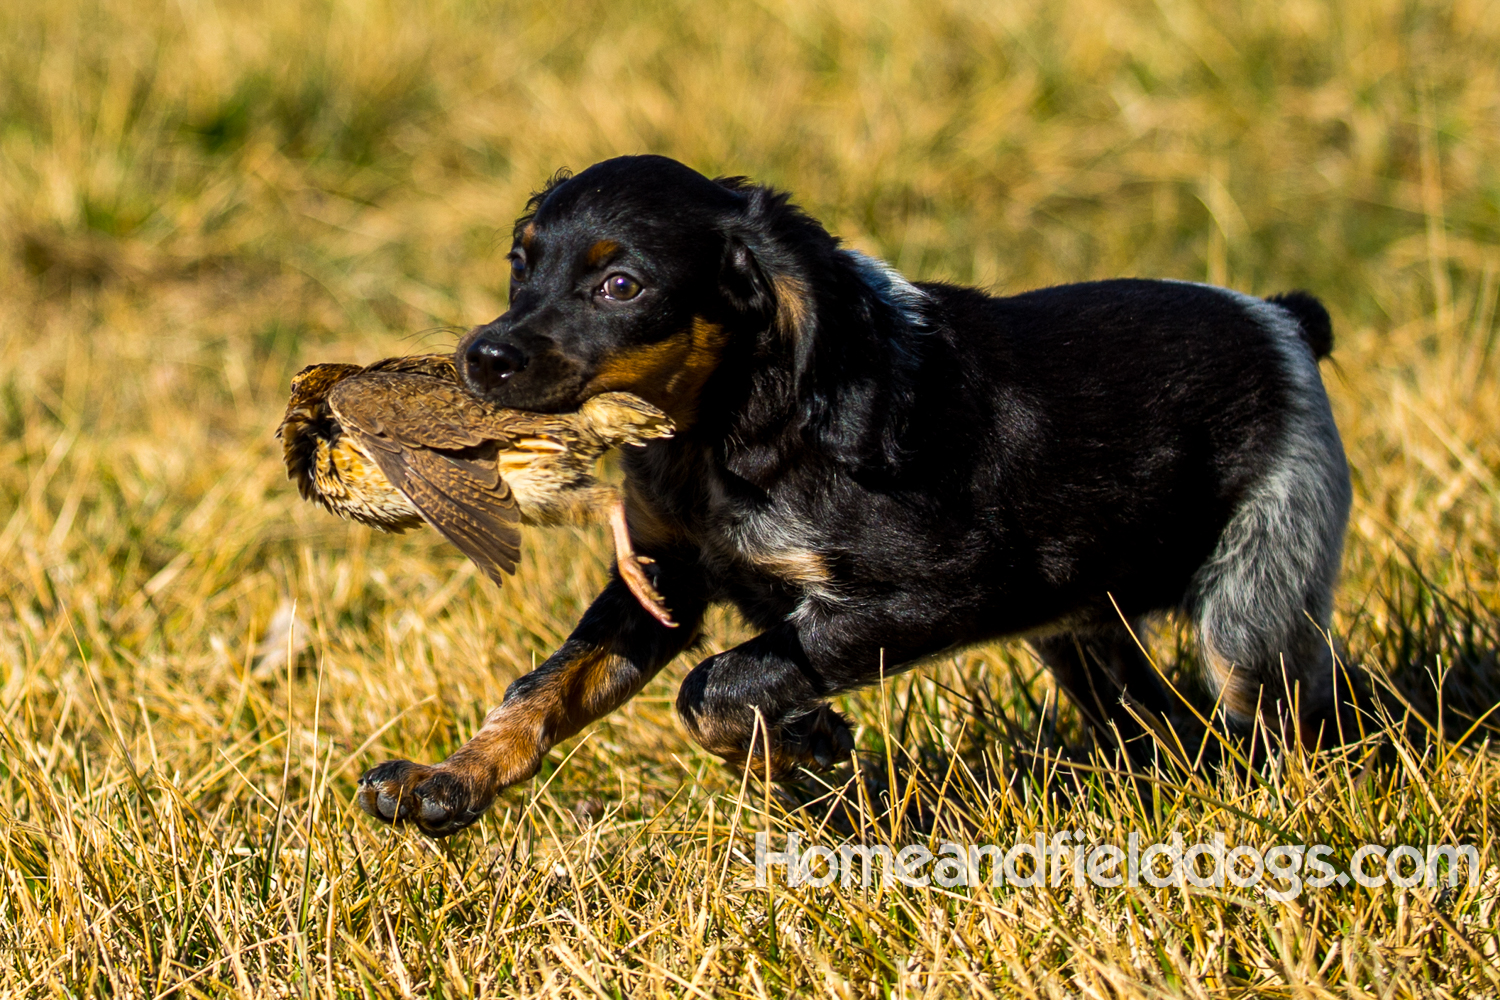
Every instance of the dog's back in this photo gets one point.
(1157, 445)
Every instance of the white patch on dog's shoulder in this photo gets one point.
(787, 551)
(909, 301)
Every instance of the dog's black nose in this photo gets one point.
(491, 362)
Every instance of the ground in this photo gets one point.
(196, 199)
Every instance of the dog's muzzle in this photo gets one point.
(489, 363)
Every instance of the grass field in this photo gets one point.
(197, 198)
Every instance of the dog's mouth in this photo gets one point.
(509, 375)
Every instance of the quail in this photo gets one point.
(399, 443)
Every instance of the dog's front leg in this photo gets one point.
(610, 656)
(783, 676)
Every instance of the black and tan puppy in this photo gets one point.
(874, 471)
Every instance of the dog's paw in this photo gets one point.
(438, 800)
(815, 741)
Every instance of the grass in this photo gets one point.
(196, 199)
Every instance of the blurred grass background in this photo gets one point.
(198, 198)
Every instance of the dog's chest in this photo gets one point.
(752, 544)
(773, 539)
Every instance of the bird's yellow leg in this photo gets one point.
(630, 567)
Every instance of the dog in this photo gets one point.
(875, 471)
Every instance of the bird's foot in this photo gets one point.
(633, 572)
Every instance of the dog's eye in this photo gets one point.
(620, 287)
(517, 269)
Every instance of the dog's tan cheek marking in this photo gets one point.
(669, 373)
(640, 369)
(706, 348)
(601, 251)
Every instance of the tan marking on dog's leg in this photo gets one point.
(509, 747)
(802, 567)
(1236, 688)
(789, 752)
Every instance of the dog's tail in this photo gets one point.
(1317, 328)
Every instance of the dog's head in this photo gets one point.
(630, 276)
(642, 275)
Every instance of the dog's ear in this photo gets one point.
(765, 243)
(772, 295)
(771, 252)
(743, 284)
(817, 308)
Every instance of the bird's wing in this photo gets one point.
(417, 409)
(435, 365)
(419, 431)
(479, 516)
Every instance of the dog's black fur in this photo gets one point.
(873, 472)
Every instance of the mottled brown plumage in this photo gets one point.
(399, 443)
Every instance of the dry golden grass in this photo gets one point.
(198, 198)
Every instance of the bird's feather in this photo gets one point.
(478, 515)
(400, 406)
(448, 455)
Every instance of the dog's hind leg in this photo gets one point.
(1282, 674)
(1264, 597)
(1109, 679)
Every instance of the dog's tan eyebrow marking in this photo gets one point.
(601, 251)
(528, 234)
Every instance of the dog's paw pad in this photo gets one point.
(437, 801)
(816, 741)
